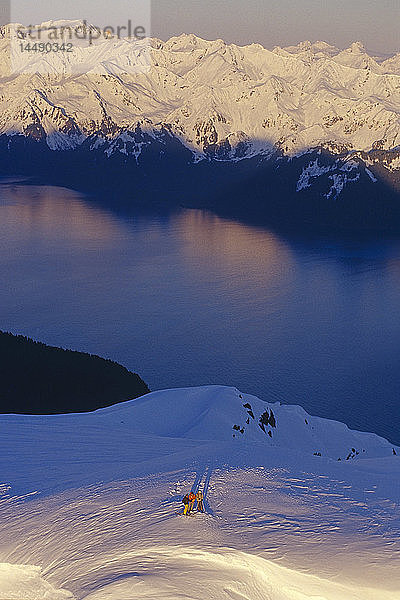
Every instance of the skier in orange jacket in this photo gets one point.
(192, 498)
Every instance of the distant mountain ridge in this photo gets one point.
(332, 116)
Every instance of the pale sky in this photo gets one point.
(283, 22)
(269, 22)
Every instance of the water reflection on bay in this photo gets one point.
(187, 298)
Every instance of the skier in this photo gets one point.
(185, 501)
(199, 497)
(192, 498)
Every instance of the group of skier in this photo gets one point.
(189, 500)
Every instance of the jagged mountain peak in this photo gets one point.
(219, 101)
(188, 42)
(317, 47)
(392, 64)
(356, 47)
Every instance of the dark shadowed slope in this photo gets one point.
(40, 379)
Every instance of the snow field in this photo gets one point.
(89, 504)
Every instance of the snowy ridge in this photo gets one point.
(223, 414)
(175, 419)
(90, 503)
(222, 101)
(189, 100)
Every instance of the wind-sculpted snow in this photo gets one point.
(25, 581)
(277, 532)
(90, 504)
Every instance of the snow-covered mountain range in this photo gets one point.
(90, 504)
(333, 116)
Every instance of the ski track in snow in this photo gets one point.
(279, 525)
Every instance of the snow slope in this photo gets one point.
(89, 503)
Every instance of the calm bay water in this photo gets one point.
(187, 298)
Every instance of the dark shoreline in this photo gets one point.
(39, 379)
